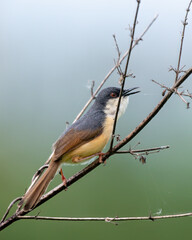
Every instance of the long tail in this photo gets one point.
(33, 195)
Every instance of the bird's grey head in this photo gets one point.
(109, 97)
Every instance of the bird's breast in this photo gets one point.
(91, 147)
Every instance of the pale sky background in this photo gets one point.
(50, 51)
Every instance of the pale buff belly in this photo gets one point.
(95, 146)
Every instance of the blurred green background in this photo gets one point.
(50, 52)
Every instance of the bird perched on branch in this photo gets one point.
(83, 140)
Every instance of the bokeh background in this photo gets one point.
(50, 52)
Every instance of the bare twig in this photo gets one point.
(182, 98)
(125, 73)
(146, 151)
(9, 208)
(180, 94)
(117, 47)
(162, 86)
(117, 63)
(182, 40)
(188, 94)
(114, 68)
(106, 219)
(141, 152)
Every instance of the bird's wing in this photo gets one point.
(73, 139)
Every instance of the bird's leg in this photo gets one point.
(64, 180)
(100, 158)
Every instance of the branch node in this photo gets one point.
(111, 220)
(151, 218)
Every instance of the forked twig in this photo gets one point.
(143, 151)
(180, 94)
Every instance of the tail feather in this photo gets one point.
(33, 195)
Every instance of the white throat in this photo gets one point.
(111, 106)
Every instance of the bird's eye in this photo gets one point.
(113, 94)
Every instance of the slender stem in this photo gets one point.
(125, 73)
(106, 219)
(144, 150)
(182, 40)
(9, 208)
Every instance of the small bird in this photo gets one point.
(83, 140)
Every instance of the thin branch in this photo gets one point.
(106, 219)
(162, 86)
(188, 94)
(125, 74)
(182, 40)
(117, 47)
(141, 37)
(117, 63)
(144, 150)
(141, 152)
(9, 208)
(182, 98)
(180, 94)
(113, 69)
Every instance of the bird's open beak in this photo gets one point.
(128, 92)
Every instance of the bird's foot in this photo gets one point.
(101, 158)
(64, 179)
